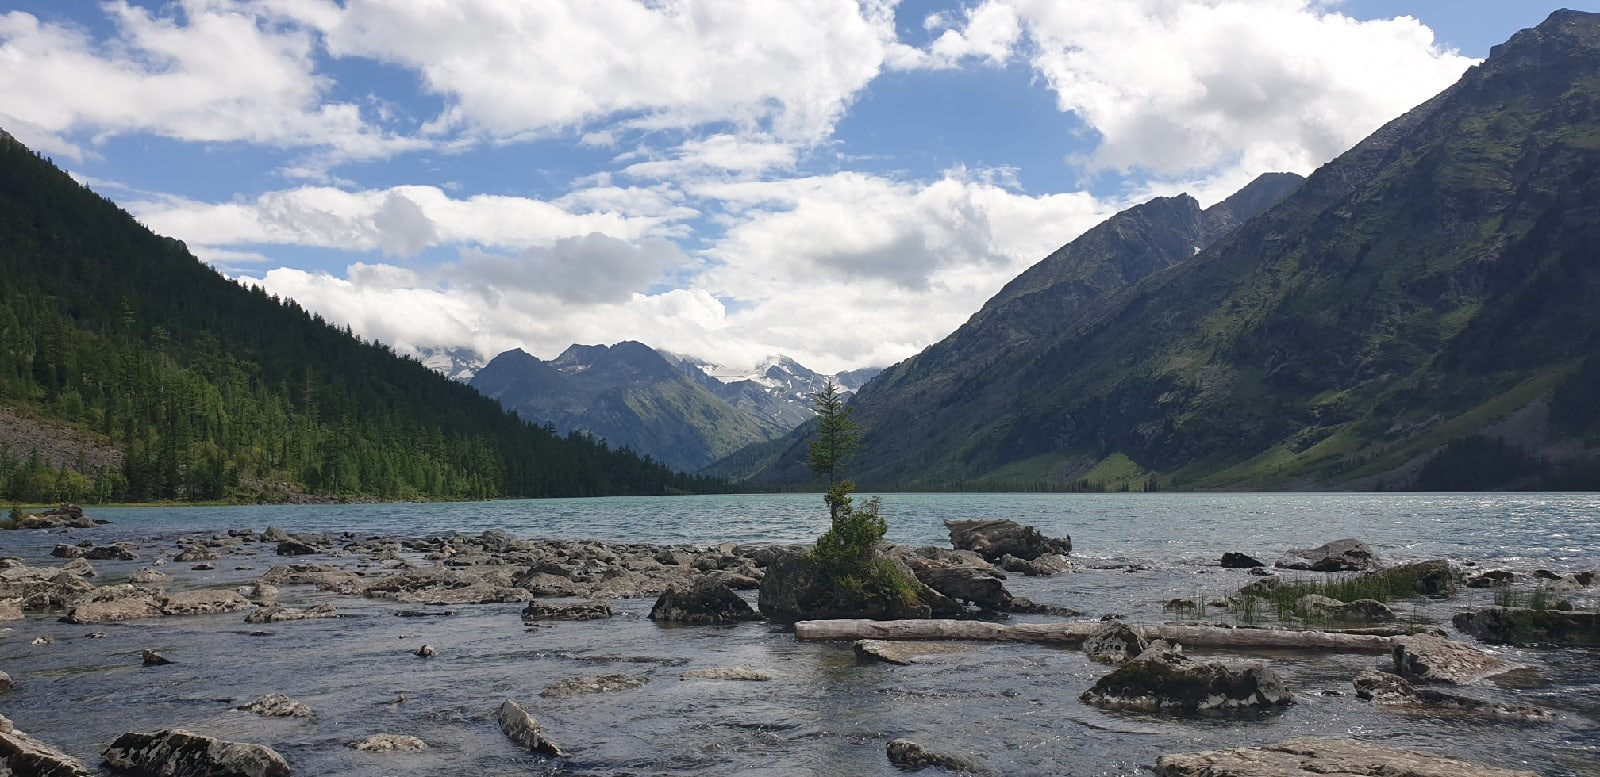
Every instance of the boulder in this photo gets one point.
(204, 602)
(912, 757)
(1163, 679)
(120, 551)
(1428, 658)
(1490, 578)
(1043, 566)
(178, 753)
(1322, 757)
(6, 683)
(79, 567)
(25, 756)
(1231, 560)
(115, 603)
(578, 611)
(426, 651)
(260, 592)
(704, 601)
(152, 658)
(1319, 607)
(276, 705)
(580, 686)
(993, 539)
(388, 743)
(523, 730)
(966, 584)
(795, 588)
(1526, 626)
(1114, 642)
(196, 553)
(68, 551)
(1338, 556)
(10, 610)
(67, 516)
(294, 547)
(1394, 691)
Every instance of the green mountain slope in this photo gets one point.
(629, 395)
(1419, 313)
(216, 391)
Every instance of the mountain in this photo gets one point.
(1419, 313)
(211, 390)
(632, 397)
(457, 364)
(778, 390)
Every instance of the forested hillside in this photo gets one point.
(216, 391)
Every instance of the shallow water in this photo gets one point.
(825, 712)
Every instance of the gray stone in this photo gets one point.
(1322, 757)
(1526, 626)
(1317, 606)
(902, 652)
(910, 756)
(1162, 679)
(1347, 555)
(6, 683)
(1428, 658)
(24, 756)
(204, 602)
(726, 673)
(1044, 566)
(388, 743)
(276, 614)
(276, 705)
(179, 753)
(1114, 642)
(293, 547)
(577, 611)
(1394, 691)
(705, 601)
(152, 658)
(121, 551)
(523, 730)
(1231, 560)
(993, 539)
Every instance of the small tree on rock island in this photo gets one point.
(847, 551)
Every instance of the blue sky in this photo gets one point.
(842, 181)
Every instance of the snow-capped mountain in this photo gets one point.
(457, 364)
(779, 388)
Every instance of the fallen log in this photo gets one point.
(1073, 632)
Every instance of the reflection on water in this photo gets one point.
(824, 712)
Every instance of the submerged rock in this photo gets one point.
(25, 756)
(980, 587)
(579, 611)
(579, 686)
(1317, 606)
(276, 705)
(1114, 642)
(179, 753)
(204, 602)
(706, 601)
(901, 652)
(1043, 566)
(910, 756)
(726, 673)
(1163, 679)
(1322, 757)
(276, 614)
(152, 658)
(1347, 555)
(388, 743)
(1428, 658)
(523, 730)
(1393, 690)
(1232, 560)
(993, 539)
(1526, 626)
(67, 516)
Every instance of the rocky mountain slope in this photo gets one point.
(1418, 313)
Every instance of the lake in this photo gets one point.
(1012, 707)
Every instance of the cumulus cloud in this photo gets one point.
(509, 67)
(211, 70)
(1181, 88)
(594, 268)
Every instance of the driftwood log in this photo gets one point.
(1075, 632)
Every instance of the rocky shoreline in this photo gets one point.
(556, 582)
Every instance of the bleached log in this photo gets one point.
(1073, 632)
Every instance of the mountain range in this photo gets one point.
(674, 409)
(1418, 313)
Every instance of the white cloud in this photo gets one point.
(210, 71)
(403, 220)
(1182, 88)
(510, 67)
(744, 156)
(591, 269)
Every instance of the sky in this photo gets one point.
(841, 181)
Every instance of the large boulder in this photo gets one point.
(1322, 757)
(966, 584)
(115, 603)
(1527, 626)
(1338, 556)
(705, 601)
(993, 539)
(1114, 642)
(1427, 658)
(1232, 560)
(120, 551)
(795, 588)
(67, 516)
(523, 730)
(276, 705)
(576, 611)
(912, 757)
(1163, 679)
(178, 753)
(1391, 690)
(25, 756)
